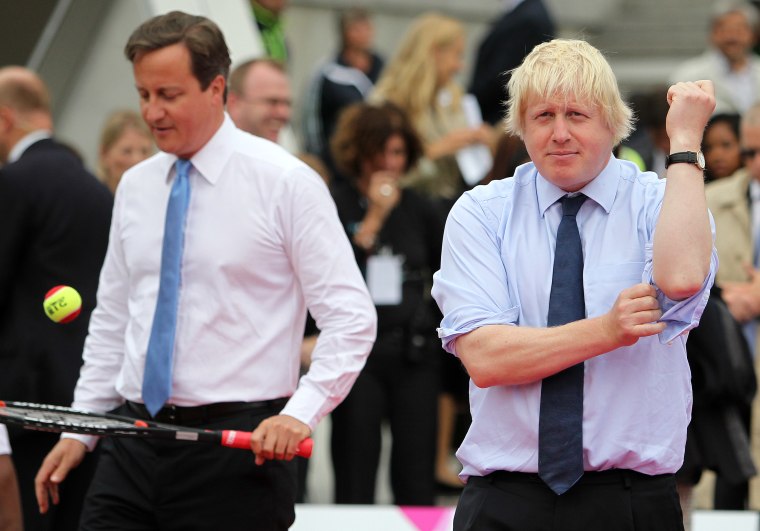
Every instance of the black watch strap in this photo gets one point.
(689, 157)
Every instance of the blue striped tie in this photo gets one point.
(560, 425)
(157, 380)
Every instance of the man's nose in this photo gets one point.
(561, 132)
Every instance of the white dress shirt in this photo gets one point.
(496, 269)
(262, 244)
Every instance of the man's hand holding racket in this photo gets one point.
(278, 437)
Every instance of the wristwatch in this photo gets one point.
(689, 157)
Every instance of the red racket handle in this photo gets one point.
(242, 439)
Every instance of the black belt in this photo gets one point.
(614, 475)
(172, 414)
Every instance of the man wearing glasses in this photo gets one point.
(260, 98)
(735, 205)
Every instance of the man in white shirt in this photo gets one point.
(735, 203)
(729, 61)
(262, 243)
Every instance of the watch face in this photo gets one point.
(700, 160)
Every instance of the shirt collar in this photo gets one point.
(725, 67)
(26, 141)
(601, 189)
(208, 160)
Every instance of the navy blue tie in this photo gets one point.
(157, 380)
(560, 426)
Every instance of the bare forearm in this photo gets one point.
(683, 240)
(514, 355)
(10, 503)
(440, 148)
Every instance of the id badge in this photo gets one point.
(384, 278)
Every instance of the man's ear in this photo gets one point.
(232, 99)
(7, 118)
(217, 87)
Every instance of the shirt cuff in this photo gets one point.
(308, 405)
(681, 316)
(90, 441)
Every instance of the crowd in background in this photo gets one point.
(398, 139)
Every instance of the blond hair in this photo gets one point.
(568, 68)
(114, 127)
(410, 80)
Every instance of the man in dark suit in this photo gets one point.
(56, 217)
(523, 24)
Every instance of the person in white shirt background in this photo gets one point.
(729, 60)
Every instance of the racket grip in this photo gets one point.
(242, 439)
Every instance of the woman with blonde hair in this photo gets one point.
(420, 80)
(125, 140)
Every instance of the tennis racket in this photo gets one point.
(43, 417)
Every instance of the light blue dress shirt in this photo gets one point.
(496, 269)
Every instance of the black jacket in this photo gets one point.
(503, 48)
(56, 218)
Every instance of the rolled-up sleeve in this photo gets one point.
(471, 287)
(681, 316)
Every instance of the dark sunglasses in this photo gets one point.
(749, 153)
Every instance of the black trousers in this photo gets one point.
(404, 391)
(614, 500)
(152, 485)
(29, 450)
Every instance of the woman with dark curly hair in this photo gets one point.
(396, 234)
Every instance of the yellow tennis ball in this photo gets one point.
(62, 304)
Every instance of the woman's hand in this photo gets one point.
(383, 192)
(461, 138)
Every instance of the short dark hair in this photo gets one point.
(209, 55)
(732, 120)
(362, 132)
(350, 16)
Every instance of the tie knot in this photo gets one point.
(571, 205)
(183, 167)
